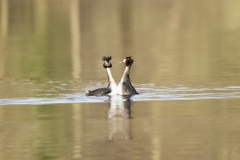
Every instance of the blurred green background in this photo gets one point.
(175, 41)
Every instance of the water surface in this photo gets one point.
(186, 69)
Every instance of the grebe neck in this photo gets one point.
(126, 74)
(110, 77)
(112, 84)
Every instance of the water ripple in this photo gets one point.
(150, 93)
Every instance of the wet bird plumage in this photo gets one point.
(99, 92)
(111, 89)
(125, 87)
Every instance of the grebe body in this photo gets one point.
(111, 89)
(125, 87)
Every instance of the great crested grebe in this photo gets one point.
(125, 87)
(111, 89)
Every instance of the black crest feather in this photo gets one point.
(107, 58)
(129, 61)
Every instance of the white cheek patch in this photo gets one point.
(124, 60)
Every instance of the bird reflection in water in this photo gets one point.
(119, 116)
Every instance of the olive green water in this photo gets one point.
(186, 69)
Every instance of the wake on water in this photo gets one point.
(147, 93)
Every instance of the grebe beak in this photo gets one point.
(123, 61)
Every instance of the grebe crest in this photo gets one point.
(128, 61)
(107, 63)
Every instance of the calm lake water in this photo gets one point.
(186, 69)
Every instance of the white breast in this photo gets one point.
(113, 87)
(119, 89)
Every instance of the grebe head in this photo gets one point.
(128, 61)
(107, 63)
